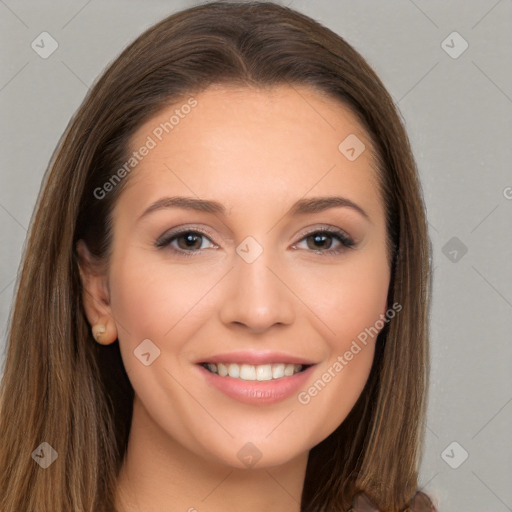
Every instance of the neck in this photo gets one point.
(159, 474)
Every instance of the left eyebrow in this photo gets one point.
(319, 204)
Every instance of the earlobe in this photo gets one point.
(95, 297)
(104, 333)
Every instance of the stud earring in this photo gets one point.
(98, 331)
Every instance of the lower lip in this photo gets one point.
(257, 392)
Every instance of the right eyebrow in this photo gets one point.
(187, 203)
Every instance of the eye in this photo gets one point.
(330, 241)
(185, 241)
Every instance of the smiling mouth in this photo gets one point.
(251, 372)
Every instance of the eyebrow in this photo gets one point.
(302, 206)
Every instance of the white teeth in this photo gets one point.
(264, 372)
(247, 372)
(278, 370)
(234, 370)
(289, 369)
(222, 370)
(254, 372)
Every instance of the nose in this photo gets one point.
(257, 297)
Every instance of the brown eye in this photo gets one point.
(189, 241)
(327, 241)
(319, 241)
(185, 241)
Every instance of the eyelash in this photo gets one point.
(345, 241)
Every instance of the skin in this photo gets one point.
(257, 152)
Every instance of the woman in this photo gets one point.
(226, 283)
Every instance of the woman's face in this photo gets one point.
(219, 259)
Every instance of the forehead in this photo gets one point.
(252, 144)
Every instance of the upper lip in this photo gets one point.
(256, 358)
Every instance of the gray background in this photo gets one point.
(458, 115)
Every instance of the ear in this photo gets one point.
(95, 296)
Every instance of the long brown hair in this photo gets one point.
(61, 387)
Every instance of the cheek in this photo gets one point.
(149, 296)
(350, 300)
(166, 304)
(349, 297)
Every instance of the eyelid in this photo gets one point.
(329, 228)
(345, 241)
(184, 228)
